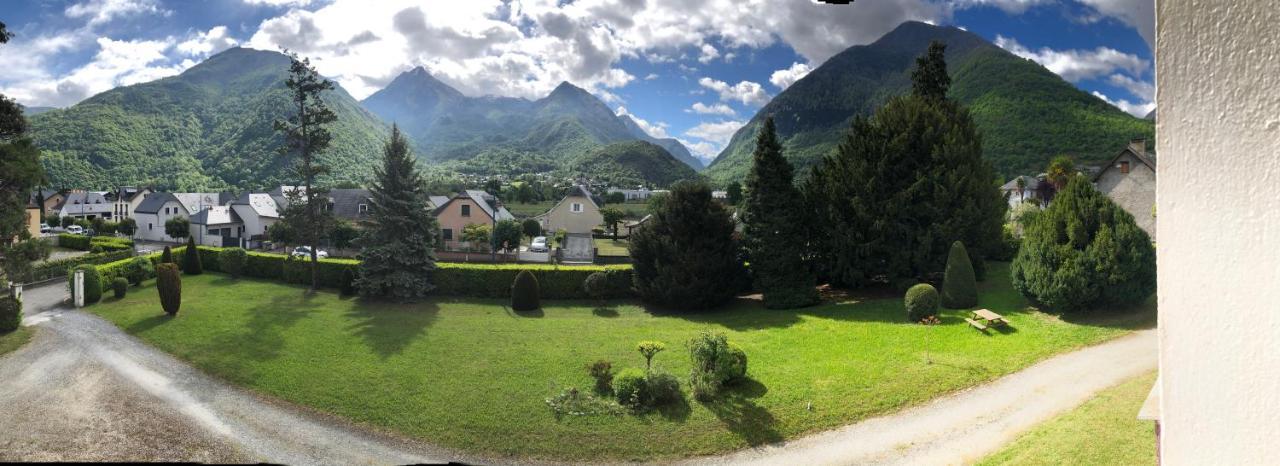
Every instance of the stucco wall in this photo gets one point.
(33, 221)
(1218, 136)
(562, 216)
(451, 218)
(1135, 191)
(156, 233)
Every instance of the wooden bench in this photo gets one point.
(976, 324)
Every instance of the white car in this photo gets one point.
(539, 244)
(304, 251)
(45, 228)
(75, 230)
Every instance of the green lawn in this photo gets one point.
(14, 340)
(472, 375)
(609, 247)
(1103, 431)
(529, 210)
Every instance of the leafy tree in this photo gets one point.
(67, 221)
(1084, 252)
(612, 217)
(52, 219)
(775, 228)
(477, 235)
(507, 234)
(127, 226)
(531, 228)
(615, 198)
(733, 193)
(397, 256)
(20, 173)
(281, 233)
(959, 287)
(902, 186)
(306, 136)
(649, 349)
(177, 227)
(343, 233)
(685, 255)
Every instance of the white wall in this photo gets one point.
(1218, 146)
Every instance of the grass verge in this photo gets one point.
(15, 339)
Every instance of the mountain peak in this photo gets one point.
(566, 89)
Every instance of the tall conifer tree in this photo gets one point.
(775, 228)
(397, 258)
(305, 137)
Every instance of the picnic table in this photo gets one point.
(983, 318)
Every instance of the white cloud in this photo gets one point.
(713, 109)
(701, 149)
(1015, 7)
(717, 133)
(103, 11)
(747, 92)
(784, 78)
(1138, 14)
(1142, 89)
(651, 77)
(707, 53)
(207, 43)
(1075, 65)
(656, 129)
(279, 3)
(1138, 109)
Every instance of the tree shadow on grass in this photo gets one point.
(604, 311)
(388, 328)
(262, 336)
(149, 323)
(536, 313)
(742, 416)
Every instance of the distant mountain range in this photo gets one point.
(1027, 113)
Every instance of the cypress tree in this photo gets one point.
(686, 256)
(397, 257)
(959, 287)
(191, 259)
(167, 256)
(775, 228)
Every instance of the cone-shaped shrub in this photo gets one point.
(348, 286)
(959, 286)
(524, 292)
(119, 286)
(92, 283)
(921, 301)
(191, 259)
(10, 314)
(232, 261)
(167, 256)
(169, 284)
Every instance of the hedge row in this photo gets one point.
(57, 268)
(451, 279)
(88, 243)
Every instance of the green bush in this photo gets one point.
(10, 314)
(1084, 252)
(191, 258)
(169, 285)
(602, 372)
(94, 243)
(70, 241)
(59, 268)
(137, 270)
(92, 283)
(921, 301)
(167, 256)
(231, 261)
(959, 286)
(629, 386)
(348, 285)
(119, 286)
(524, 293)
(685, 256)
(716, 363)
(661, 388)
(596, 285)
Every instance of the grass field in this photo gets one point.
(473, 375)
(609, 247)
(14, 340)
(529, 210)
(1103, 431)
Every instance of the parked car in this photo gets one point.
(539, 244)
(304, 251)
(75, 229)
(45, 228)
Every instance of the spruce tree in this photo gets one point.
(685, 255)
(397, 257)
(902, 186)
(775, 228)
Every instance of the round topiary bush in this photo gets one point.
(191, 259)
(630, 387)
(232, 261)
(959, 285)
(92, 283)
(921, 301)
(10, 314)
(660, 388)
(524, 292)
(169, 285)
(596, 285)
(119, 286)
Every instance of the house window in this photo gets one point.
(1124, 167)
(150, 227)
(447, 233)
(577, 207)
(466, 211)
(364, 208)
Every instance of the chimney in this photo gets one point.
(1138, 146)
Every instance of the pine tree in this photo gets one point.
(306, 136)
(775, 228)
(685, 255)
(930, 80)
(397, 257)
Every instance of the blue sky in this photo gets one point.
(694, 70)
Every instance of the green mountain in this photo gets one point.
(1027, 113)
(33, 111)
(207, 128)
(491, 135)
(632, 163)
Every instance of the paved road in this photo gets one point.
(83, 390)
(969, 425)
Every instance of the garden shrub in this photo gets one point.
(94, 243)
(167, 256)
(686, 256)
(629, 387)
(70, 241)
(92, 283)
(602, 372)
(1084, 252)
(571, 402)
(921, 301)
(959, 286)
(649, 349)
(191, 258)
(231, 261)
(10, 314)
(524, 293)
(169, 285)
(595, 285)
(347, 287)
(137, 270)
(119, 286)
(715, 364)
(660, 388)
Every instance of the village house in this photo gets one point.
(33, 218)
(217, 226)
(125, 199)
(86, 205)
(1024, 188)
(1130, 181)
(195, 202)
(153, 212)
(257, 212)
(636, 195)
(467, 208)
(50, 201)
(351, 205)
(577, 212)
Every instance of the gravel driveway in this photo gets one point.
(82, 390)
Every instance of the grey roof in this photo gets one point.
(262, 204)
(216, 215)
(87, 202)
(154, 201)
(437, 201)
(346, 203)
(1143, 156)
(1031, 183)
(194, 202)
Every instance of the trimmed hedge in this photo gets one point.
(119, 286)
(10, 314)
(89, 243)
(58, 268)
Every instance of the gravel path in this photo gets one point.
(83, 390)
(967, 426)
